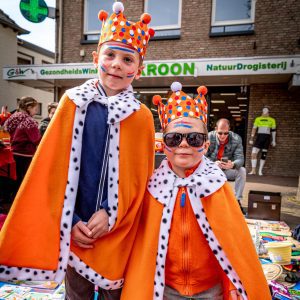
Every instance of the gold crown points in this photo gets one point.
(118, 28)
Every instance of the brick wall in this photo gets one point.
(283, 160)
(276, 32)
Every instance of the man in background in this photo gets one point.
(226, 150)
(45, 122)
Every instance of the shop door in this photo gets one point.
(231, 103)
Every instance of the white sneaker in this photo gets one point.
(260, 174)
(252, 173)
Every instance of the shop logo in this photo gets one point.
(250, 67)
(35, 11)
(167, 69)
(18, 72)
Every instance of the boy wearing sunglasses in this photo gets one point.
(192, 242)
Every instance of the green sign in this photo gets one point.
(169, 69)
(35, 11)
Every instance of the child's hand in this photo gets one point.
(80, 235)
(98, 224)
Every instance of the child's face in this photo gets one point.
(118, 64)
(184, 156)
(51, 113)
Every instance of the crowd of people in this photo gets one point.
(23, 134)
(98, 216)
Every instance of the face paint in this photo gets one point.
(168, 149)
(129, 75)
(102, 68)
(182, 122)
(183, 125)
(201, 149)
(121, 49)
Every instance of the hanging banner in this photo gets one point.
(177, 68)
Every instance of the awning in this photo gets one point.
(190, 72)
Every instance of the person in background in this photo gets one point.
(24, 135)
(192, 241)
(226, 150)
(89, 177)
(45, 122)
(4, 115)
(265, 126)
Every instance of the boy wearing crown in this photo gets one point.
(192, 242)
(77, 211)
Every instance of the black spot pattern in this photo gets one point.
(82, 96)
(203, 182)
(117, 111)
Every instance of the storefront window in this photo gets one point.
(232, 16)
(92, 25)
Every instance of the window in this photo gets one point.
(165, 17)
(232, 17)
(25, 59)
(92, 25)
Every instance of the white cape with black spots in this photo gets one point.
(164, 186)
(120, 107)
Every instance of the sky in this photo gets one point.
(41, 34)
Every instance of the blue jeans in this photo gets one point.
(239, 176)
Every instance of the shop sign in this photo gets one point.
(258, 67)
(50, 72)
(168, 69)
(200, 67)
(19, 72)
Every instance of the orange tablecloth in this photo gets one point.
(7, 163)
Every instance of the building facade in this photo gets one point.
(244, 34)
(17, 53)
(247, 52)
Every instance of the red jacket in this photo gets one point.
(25, 135)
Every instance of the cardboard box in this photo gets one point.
(264, 205)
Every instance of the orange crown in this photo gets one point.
(117, 28)
(181, 105)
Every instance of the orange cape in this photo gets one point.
(228, 225)
(30, 241)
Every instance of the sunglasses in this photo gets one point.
(194, 139)
(222, 133)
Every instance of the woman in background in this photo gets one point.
(25, 136)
